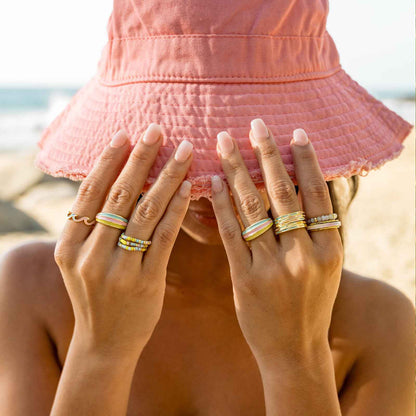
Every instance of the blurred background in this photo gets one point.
(50, 48)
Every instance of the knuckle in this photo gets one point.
(316, 188)
(87, 268)
(148, 209)
(233, 166)
(229, 231)
(331, 258)
(269, 150)
(63, 255)
(120, 194)
(283, 190)
(139, 156)
(306, 156)
(170, 175)
(252, 205)
(89, 189)
(166, 236)
(108, 156)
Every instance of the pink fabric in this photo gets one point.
(197, 67)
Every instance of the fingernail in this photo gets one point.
(152, 133)
(300, 137)
(183, 151)
(119, 139)
(260, 131)
(185, 189)
(225, 142)
(216, 183)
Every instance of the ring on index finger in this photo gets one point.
(257, 229)
(75, 217)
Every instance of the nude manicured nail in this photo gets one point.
(183, 151)
(300, 137)
(119, 139)
(225, 142)
(216, 183)
(185, 189)
(260, 131)
(152, 134)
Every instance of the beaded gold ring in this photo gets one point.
(332, 216)
(135, 240)
(131, 248)
(132, 244)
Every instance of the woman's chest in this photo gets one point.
(204, 374)
(197, 363)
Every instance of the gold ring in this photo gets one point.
(75, 217)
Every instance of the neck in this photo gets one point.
(200, 266)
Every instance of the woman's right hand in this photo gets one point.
(117, 295)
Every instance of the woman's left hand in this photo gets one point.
(284, 286)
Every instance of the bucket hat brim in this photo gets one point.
(352, 132)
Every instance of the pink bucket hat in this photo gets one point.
(197, 67)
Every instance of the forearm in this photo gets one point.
(92, 384)
(301, 384)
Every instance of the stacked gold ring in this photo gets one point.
(288, 222)
(112, 220)
(323, 222)
(258, 228)
(132, 244)
(321, 218)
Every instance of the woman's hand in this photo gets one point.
(117, 295)
(284, 286)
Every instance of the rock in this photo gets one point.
(17, 174)
(14, 220)
(48, 203)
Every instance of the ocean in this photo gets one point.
(25, 112)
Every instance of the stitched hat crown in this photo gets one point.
(132, 18)
(217, 41)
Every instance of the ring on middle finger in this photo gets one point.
(258, 228)
(112, 220)
(289, 222)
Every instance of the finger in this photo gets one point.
(94, 187)
(152, 206)
(238, 253)
(157, 256)
(314, 190)
(127, 187)
(280, 188)
(249, 203)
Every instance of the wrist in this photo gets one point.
(106, 356)
(311, 356)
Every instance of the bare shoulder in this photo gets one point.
(33, 304)
(31, 279)
(373, 308)
(375, 321)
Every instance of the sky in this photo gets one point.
(57, 43)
